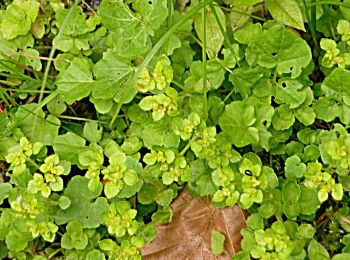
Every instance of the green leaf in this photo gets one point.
(92, 132)
(316, 251)
(74, 24)
(306, 230)
(35, 126)
(215, 76)
(251, 80)
(290, 92)
(102, 106)
(64, 202)
(326, 109)
(214, 37)
(217, 242)
(243, 124)
(290, 197)
(283, 118)
(238, 119)
(306, 115)
(268, 178)
(95, 254)
(68, 147)
(231, 59)
(76, 82)
(286, 12)
(18, 19)
(289, 56)
(159, 133)
(255, 222)
(56, 106)
(343, 256)
(132, 31)
(86, 205)
(130, 178)
(148, 192)
(294, 168)
(242, 255)
(338, 80)
(248, 33)
(111, 72)
(240, 16)
(31, 58)
(74, 236)
(17, 241)
(165, 197)
(5, 188)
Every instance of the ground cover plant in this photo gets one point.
(110, 109)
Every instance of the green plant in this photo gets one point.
(107, 113)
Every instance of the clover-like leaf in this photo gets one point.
(294, 168)
(289, 56)
(243, 124)
(86, 205)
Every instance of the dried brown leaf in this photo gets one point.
(188, 236)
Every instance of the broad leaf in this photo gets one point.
(316, 251)
(339, 81)
(132, 28)
(286, 12)
(214, 37)
(83, 208)
(68, 147)
(76, 82)
(244, 123)
(111, 72)
(289, 56)
(35, 126)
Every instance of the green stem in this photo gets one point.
(89, 7)
(312, 22)
(222, 30)
(22, 77)
(33, 163)
(48, 99)
(330, 3)
(54, 253)
(240, 12)
(279, 217)
(223, 65)
(184, 150)
(8, 83)
(313, 26)
(153, 52)
(77, 118)
(275, 75)
(3, 98)
(25, 90)
(178, 84)
(52, 53)
(10, 98)
(229, 94)
(204, 65)
(170, 12)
